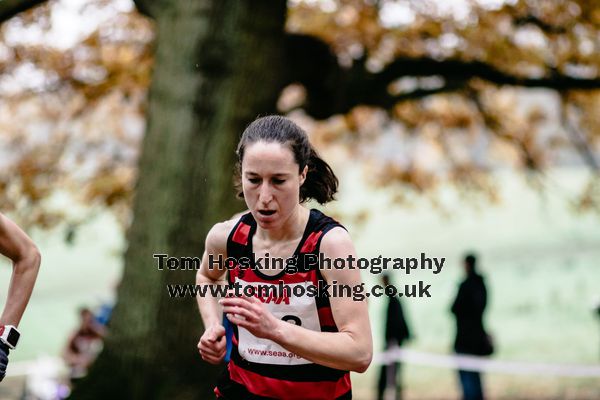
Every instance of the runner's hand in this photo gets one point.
(213, 344)
(250, 313)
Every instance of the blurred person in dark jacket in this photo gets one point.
(396, 333)
(471, 337)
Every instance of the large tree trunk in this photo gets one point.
(216, 69)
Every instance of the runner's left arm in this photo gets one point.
(350, 348)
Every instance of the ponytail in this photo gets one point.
(321, 184)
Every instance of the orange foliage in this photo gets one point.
(77, 126)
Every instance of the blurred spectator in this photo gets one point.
(104, 313)
(83, 345)
(396, 332)
(597, 308)
(107, 305)
(471, 337)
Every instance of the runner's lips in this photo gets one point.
(266, 212)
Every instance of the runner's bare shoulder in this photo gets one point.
(216, 240)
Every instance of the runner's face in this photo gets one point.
(271, 182)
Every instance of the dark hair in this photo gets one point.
(385, 278)
(321, 183)
(84, 310)
(471, 261)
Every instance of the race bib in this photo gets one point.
(300, 310)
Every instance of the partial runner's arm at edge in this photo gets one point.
(26, 259)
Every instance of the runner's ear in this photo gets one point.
(303, 175)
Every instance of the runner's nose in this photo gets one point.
(265, 195)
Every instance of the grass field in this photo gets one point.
(540, 261)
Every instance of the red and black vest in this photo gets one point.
(260, 368)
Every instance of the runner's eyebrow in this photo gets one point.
(277, 175)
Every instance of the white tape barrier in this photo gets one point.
(52, 365)
(42, 366)
(484, 364)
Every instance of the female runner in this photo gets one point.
(288, 343)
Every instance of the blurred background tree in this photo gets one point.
(155, 96)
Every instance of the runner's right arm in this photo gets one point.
(212, 344)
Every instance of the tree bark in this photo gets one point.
(216, 69)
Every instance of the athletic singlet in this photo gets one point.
(260, 368)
